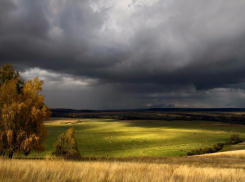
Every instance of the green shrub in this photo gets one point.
(235, 138)
(218, 146)
(215, 148)
(66, 146)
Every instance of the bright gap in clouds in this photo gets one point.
(56, 80)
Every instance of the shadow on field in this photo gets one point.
(164, 124)
(64, 127)
(178, 124)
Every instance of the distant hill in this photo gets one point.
(64, 110)
(198, 109)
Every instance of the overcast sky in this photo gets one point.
(110, 54)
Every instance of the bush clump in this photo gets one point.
(216, 147)
(235, 138)
(66, 146)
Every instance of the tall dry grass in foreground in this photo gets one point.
(224, 167)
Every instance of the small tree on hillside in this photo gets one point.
(66, 146)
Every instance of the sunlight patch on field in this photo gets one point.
(122, 138)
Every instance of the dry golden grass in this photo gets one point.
(231, 154)
(227, 166)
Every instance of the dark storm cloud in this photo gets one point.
(135, 47)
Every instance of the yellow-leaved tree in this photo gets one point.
(22, 112)
(66, 146)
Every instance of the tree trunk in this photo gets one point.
(11, 154)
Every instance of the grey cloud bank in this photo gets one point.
(128, 54)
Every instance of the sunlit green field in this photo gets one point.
(116, 138)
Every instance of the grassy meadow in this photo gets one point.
(130, 138)
(143, 150)
(226, 166)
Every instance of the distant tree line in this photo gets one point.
(147, 116)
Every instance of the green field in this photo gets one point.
(127, 138)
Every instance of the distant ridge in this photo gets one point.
(66, 110)
(198, 109)
(227, 115)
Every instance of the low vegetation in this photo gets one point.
(217, 147)
(227, 166)
(66, 146)
(234, 139)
